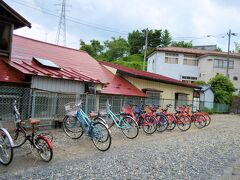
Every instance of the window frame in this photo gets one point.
(171, 58)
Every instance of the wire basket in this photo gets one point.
(71, 108)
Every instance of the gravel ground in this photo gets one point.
(209, 153)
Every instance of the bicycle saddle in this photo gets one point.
(34, 121)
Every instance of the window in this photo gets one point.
(5, 33)
(171, 58)
(189, 78)
(235, 78)
(152, 98)
(190, 60)
(220, 63)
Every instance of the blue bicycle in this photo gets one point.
(76, 122)
(126, 123)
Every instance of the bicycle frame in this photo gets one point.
(116, 120)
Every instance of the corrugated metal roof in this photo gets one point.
(147, 75)
(75, 65)
(8, 74)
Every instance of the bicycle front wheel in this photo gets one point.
(101, 136)
(162, 122)
(199, 121)
(44, 147)
(184, 123)
(72, 127)
(6, 147)
(208, 119)
(149, 124)
(129, 127)
(171, 122)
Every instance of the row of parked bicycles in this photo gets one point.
(132, 117)
(97, 125)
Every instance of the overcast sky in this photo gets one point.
(103, 19)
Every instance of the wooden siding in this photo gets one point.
(169, 90)
(57, 85)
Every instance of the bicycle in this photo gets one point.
(197, 118)
(148, 123)
(126, 123)
(40, 142)
(161, 119)
(178, 119)
(76, 122)
(6, 147)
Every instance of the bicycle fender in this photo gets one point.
(45, 138)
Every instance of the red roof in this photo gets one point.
(198, 52)
(8, 74)
(147, 75)
(119, 86)
(75, 65)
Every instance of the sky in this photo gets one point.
(205, 22)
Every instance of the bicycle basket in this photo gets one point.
(71, 108)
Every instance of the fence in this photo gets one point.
(49, 106)
(235, 107)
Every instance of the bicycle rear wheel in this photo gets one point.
(129, 127)
(44, 147)
(18, 137)
(184, 123)
(149, 124)
(162, 122)
(72, 127)
(101, 136)
(6, 147)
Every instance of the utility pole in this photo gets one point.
(229, 40)
(61, 32)
(145, 49)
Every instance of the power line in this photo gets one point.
(74, 20)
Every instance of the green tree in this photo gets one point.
(166, 38)
(136, 41)
(218, 49)
(181, 44)
(94, 48)
(200, 83)
(116, 48)
(223, 88)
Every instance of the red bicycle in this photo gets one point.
(144, 120)
(178, 119)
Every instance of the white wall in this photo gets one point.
(57, 85)
(170, 70)
(207, 70)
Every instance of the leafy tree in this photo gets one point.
(223, 88)
(200, 83)
(136, 41)
(94, 48)
(182, 44)
(218, 49)
(166, 38)
(116, 48)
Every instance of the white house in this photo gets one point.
(190, 65)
